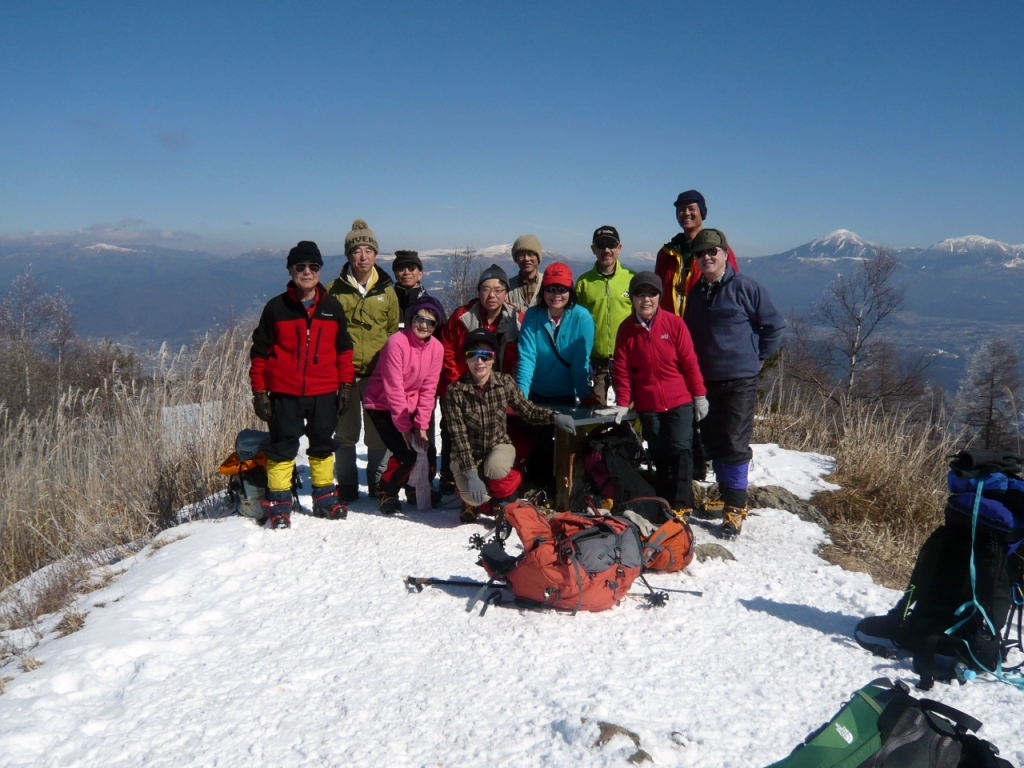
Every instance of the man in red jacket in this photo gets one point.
(301, 372)
(655, 368)
(674, 264)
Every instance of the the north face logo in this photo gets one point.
(664, 335)
(843, 731)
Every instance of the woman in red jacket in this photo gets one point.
(655, 368)
(300, 366)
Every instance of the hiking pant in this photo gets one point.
(727, 432)
(669, 437)
(347, 435)
(291, 417)
(496, 471)
(396, 472)
(540, 455)
(601, 370)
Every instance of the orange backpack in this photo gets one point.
(670, 547)
(572, 562)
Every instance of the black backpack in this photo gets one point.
(247, 475)
(967, 577)
(613, 457)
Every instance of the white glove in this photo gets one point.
(700, 407)
(477, 488)
(563, 421)
(618, 410)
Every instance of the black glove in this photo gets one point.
(344, 395)
(261, 404)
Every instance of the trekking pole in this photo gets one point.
(417, 583)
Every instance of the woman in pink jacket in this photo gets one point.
(399, 396)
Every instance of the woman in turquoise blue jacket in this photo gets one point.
(555, 342)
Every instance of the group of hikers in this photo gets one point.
(679, 345)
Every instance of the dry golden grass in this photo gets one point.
(29, 663)
(114, 465)
(3, 684)
(891, 464)
(72, 621)
(159, 543)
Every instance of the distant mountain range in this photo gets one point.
(959, 291)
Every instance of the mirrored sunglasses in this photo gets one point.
(425, 321)
(556, 289)
(480, 354)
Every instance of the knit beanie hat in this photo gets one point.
(493, 272)
(557, 273)
(708, 240)
(478, 336)
(693, 196)
(305, 252)
(527, 243)
(644, 280)
(406, 258)
(427, 302)
(361, 234)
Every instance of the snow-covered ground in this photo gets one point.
(237, 646)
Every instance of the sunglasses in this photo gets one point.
(556, 289)
(709, 252)
(300, 268)
(480, 354)
(426, 322)
(645, 295)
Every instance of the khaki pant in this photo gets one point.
(496, 465)
(347, 435)
(602, 371)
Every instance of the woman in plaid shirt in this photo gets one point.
(475, 407)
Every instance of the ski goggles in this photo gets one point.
(479, 354)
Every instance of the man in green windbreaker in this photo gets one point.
(604, 291)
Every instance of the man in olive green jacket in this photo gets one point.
(368, 297)
(604, 290)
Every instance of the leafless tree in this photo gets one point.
(840, 347)
(988, 403)
(460, 278)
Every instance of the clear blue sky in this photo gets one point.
(242, 124)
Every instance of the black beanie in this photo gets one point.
(305, 252)
(693, 196)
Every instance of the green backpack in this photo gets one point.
(884, 726)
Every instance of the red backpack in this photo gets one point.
(572, 562)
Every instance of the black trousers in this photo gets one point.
(403, 457)
(293, 416)
(669, 437)
(729, 425)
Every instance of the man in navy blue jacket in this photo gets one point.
(735, 327)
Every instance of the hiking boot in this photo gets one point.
(277, 509)
(710, 510)
(388, 505)
(733, 524)
(683, 514)
(326, 504)
(468, 514)
(348, 492)
(446, 484)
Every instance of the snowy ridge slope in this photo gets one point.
(237, 646)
